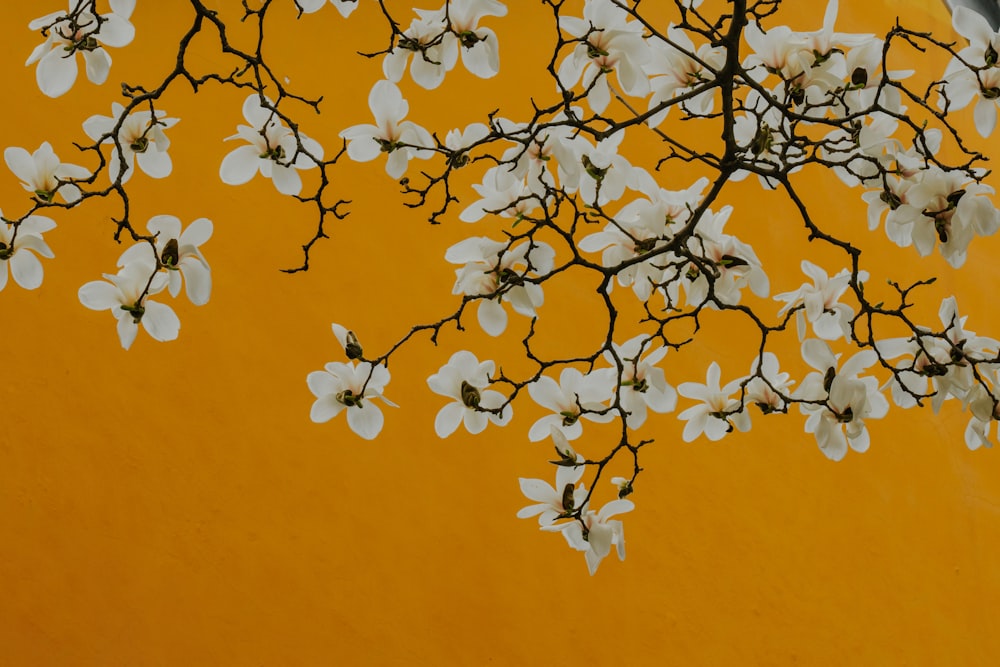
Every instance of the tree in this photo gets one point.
(567, 194)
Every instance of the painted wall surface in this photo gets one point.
(174, 505)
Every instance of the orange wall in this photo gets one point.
(174, 505)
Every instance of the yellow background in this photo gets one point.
(174, 505)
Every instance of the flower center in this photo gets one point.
(349, 398)
(470, 395)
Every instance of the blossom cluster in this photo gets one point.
(568, 192)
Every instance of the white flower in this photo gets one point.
(985, 410)
(576, 395)
(79, 31)
(937, 364)
(18, 246)
(179, 253)
(718, 412)
(605, 173)
(674, 72)
(478, 46)
(943, 208)
(597, 532)
(543, 151)
(841, 401)
(963, 84)
(500, 194)
(734, 264)
(496, 270)
(642, 227)
(424, 41)
(766, 138)
(139, 137)
(42, 174)
(567, 496)
(345, 7)
(354, 387)
(390, 134)
(764, 387)
(465, 379)
(821, 302)
(273, 150)
(126, 295)
(608, 42)
(642, 384)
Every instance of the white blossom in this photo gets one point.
(501, 272)
(43, 175)
(273, 150)
(126, 294)
(179, 253)
(354, 387)
(820, 302)
(79, 31)
(399, 138)
(596, 532)
(642, 384)
(554, 503)
(465, 379)
(962, 84)
(345, 7)
(19, 245)
(766, 387)
(839, 401)
(718, 411)
(609, 42)
(139, 137)
(575, 395)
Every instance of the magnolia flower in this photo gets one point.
(576, 395)
(641, 228)
(126, 294)
(354, 387)
(838, 401)
(605, 173)
(78, 31)
(861, 147)
(139, 137)
(18, 246)
(42, 174)
(558, 502)
(179, 253)
(401, 139)
(478, 46)
(767, 384)
(273, 151)
(732, 263)
(345, 7)
(718, 412)
(982, 402)
(424, 41)
(936, 364)
(677, 68)
(766, 139)
(962, 84)
(497, 270)
(465, 379)
(944, 209)
(500, 194)
(544, 151)
(607, 42)
(641, 384)
(596, 532)
(820, 302)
